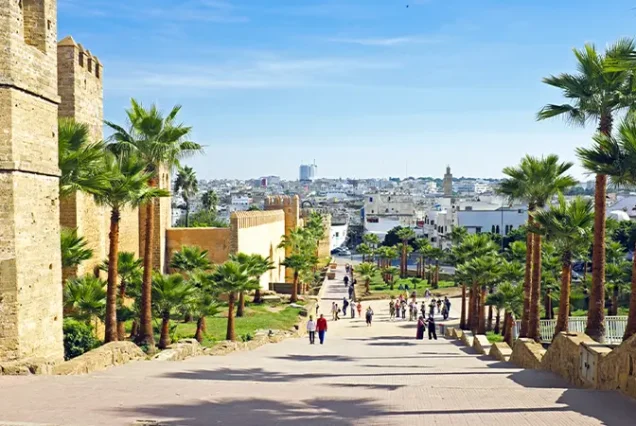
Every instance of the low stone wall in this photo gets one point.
(527, 353)
(261, 338)
(26, 367)
(467, 338)
(458, 333)
(563, 357)
(617, 370)
(481, 344)
(449, 332)
(108, 355)
(185, 348)
(500, 351)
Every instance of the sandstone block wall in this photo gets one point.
(260, 233)
(30, 263)
(215, 240)
(527, 353)
(291, 208)
(563, 357)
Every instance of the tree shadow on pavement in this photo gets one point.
(366, 386)
(392, 344)
(313, 358)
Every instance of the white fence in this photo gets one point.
(614, 328)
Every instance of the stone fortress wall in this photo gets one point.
(30, 262)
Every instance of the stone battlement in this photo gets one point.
(82, 57)
(281, 201)
(255, 218)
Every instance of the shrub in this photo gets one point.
(78, 338)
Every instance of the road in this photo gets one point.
(378, 375)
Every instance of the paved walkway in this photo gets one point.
(363, 375)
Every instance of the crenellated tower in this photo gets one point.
(30, 261)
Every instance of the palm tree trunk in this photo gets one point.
(497, 320)
(367, 289)
(230, 335)
(462, 320)
(145, 335)
(547, 304)
(533, 324)
(527, 282)
(474, 320)
(294, 295)
(482, 309)
(257, 296)
(200, 329)
(134, 329)
(614, 300)
(241, 305)
(596, 313)
(436, 274)
(630, 329)
(469, 320)
(564, 300)
(491, 290)
(111, 334)
(164, 340)
(508, 329)
(505, 325)
(187, 214)
(121, 325)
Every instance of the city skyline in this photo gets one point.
(359, 85)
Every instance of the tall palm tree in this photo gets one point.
(511, 296)
(230, 278)
(300, 249)
(158, 141)
(535, 181)
(596, 93)
(435, 253)
(472, 246)
(169, 294)
(259, 265)
(405, 235)
(256, 265)
(129, 271)
(365, 251)
(614, 157)
(190, 259)
(483, 271)
(366, 271)
(74, 248)
(422, 247)
(127, 187)
(210, 200)
(79, 159)
(570, 227)
(187, 185)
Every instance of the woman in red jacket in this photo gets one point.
(321, 326)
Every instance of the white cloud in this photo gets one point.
(386, 41)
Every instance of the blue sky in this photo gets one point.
(365, 87)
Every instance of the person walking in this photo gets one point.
(421, 325)
(311, 330)
(439, 306)
(346, 281)
(359, 308)
(444, 312)
(334, 310)
(447, 303)
(321, 326)
(431, 328)
(351, 291)
(337, 312)
(353, 309)
(391, 310)
(345, 305)
(403, 309)
(369, 316)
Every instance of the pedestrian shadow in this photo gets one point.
(313, 358)
(366, 386)
(371, 338)
(392, 343)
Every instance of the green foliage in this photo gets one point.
(210, 200)
(494, 337)
(247, 337)
(85, 298)
(394, 236)
(170, 293)
(187, 186)
(74, 248)
(190, 259)
(624, 233)
(202, 219)
(79, 159)
(79, 338)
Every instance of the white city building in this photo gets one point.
(239, 203)
(384, 211)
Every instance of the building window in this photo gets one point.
(478, 230)
(81, 59)
(432, 223)
(498, 231)
(445, 228)
(386, 210)
(97, 73)
(389, 199)
(372, 211)
(90, 64)
(370, 199)
(492, 230)
(337, 234)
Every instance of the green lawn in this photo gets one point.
(381, 290)
(257, 317)
(494, 338)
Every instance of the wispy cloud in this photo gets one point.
(188, 11)
(268, 72)
(386, 41)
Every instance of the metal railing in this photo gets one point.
(614, 328)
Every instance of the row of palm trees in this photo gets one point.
(302, 255)
(124, 172)
(196, 290)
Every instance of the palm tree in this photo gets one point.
(570, 227)
(79, 159)
(85, 298)
(535, 181)
(614, 157)
(157, 141)
(405, 235)
(204, 304)
(373, 241)
(74, 248)
(229, 278)
(190, 259)
(365, 251)
(186, 183)
(511, 296)
(127, 187)
(300, 249)
(169, 294)
(366, 271)
(390, 272)
(129, 271)
(483, 271)
(472, 246)
(422, 247)
(210, 200)
(435, 253)
(597, 93)
(256, 265)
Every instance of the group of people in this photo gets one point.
(399, 307)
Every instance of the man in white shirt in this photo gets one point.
(311, 330)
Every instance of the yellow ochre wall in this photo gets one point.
(215, 240)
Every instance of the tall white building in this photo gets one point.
(308, 172)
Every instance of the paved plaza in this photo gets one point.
(363, 375)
